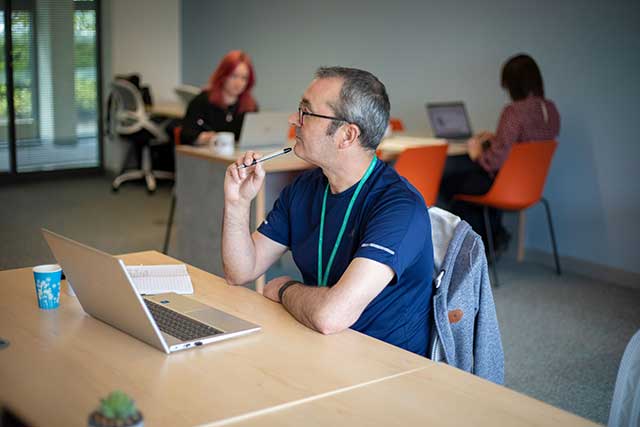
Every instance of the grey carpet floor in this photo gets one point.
(563, 336)
(84, 209)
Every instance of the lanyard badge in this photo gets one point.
(322, 280)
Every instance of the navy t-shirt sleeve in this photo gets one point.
(395, 234)
(276, 225)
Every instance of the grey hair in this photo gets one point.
(363, 101)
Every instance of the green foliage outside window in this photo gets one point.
(84, 54)
(84, 64)
(21, 32)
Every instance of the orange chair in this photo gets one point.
(518, 186)
(396, 124)
(177, 133)
(423, 167)
(292, 132)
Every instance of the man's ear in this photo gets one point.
(349, 135)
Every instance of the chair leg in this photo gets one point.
(123, 175)
(148, 170)
(492, 252)
(131, 153)
(127, 176)
(522, 234)
(553, 235)
(167, 236)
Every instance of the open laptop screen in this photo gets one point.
(449, 120)
(264, 130)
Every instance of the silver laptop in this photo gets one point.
(168, 322)
(449, 120)
(264, 130)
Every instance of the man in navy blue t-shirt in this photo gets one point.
(358, 232)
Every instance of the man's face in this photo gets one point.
(312, 142)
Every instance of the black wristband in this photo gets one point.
(285, 287)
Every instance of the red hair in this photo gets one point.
(225, 68)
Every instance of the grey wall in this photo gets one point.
(146, 39)
(433, 51)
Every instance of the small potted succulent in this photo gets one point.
(116, 410)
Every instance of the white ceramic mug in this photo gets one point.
(224, 143)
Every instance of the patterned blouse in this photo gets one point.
(530, 119)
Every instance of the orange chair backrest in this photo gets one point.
(177, 133)
(423, 167)
(292, 132)
(396, 124)
(520, 182)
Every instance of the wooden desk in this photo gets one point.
(200, 198)
(60, 362)
(173, 110)
(437, 395)
(390, 148)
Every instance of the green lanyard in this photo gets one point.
(322, 281)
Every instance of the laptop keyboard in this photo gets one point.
(179, 325)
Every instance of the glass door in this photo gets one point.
(5, 149)
(52, 86)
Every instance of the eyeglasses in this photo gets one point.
(301, 115)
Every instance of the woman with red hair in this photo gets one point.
(221, 106)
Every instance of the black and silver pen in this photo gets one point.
(265, 158)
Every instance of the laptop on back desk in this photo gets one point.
(449, 120)
(264, 131)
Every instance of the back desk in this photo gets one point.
(200, 198)
(60, 362)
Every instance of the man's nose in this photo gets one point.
(293, 120)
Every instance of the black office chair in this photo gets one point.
(130, 120)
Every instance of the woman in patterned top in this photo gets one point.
(530, 117)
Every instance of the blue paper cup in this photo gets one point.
(47, 278)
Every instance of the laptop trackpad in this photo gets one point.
(202, 312)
